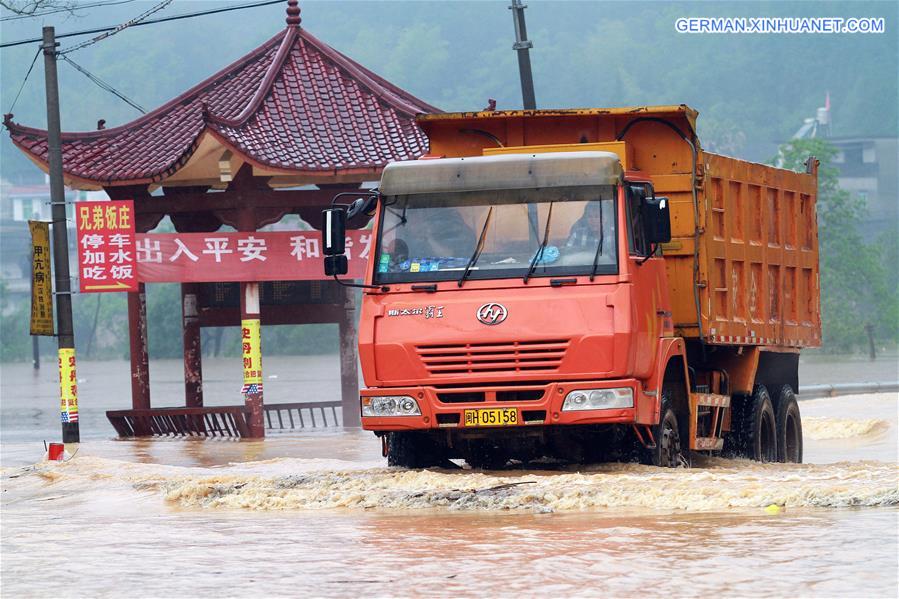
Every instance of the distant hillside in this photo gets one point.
(752, 91)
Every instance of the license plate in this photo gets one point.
(492, 417)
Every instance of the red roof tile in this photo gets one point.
(294, 105)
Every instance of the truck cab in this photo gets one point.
(516, 292)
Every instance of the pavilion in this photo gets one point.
(232, 150)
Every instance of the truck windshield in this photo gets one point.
(432, 237)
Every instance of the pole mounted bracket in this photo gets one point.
(523, 45)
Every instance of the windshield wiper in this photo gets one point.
(477, 250)
(598, 245)
(540, 251)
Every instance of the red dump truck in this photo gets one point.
(583, 285)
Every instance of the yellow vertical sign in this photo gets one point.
(41, 285)
(68, 386)
(250, 342)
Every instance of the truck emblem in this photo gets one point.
(492, 313)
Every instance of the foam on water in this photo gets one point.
(819, 428)
(292, 484)
(619, 486)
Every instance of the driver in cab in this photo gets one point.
(439, 235)
(594, 224)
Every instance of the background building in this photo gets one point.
(868, 168)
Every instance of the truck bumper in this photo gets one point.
(536, 405)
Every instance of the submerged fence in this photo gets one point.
(819, 391)
(223, 421)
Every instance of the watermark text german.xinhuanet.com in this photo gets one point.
(780, 25)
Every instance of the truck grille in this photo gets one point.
(510, 356)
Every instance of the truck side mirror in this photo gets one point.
(363, 205)
(334, 231)
(657, 219)
(336, 265)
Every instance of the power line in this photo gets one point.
(103, 85)
(150, 22)
(24, 81)
(70, 9)
(130, 23)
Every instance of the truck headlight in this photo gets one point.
(599, 399)
(390, 405)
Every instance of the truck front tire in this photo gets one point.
(411, 449)
(486, 456)
(668, 452)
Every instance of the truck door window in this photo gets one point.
(636, 232)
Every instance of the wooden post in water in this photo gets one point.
(193, 360)
(137, 338)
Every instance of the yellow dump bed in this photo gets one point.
(743, 260)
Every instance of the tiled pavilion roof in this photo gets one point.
(293, 106)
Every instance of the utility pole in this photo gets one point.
(68, 380)
(523, 46)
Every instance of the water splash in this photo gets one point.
(295, 484)
(821, 428)
(737, 485)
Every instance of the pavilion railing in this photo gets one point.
(283, 416)
(222, 421)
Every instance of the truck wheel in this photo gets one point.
(759, 431)
(667, 452)
(484, 456)
(412, 450)
(788, 424)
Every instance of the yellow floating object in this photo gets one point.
(773, 509)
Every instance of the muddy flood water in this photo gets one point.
(319, 513)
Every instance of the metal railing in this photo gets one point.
(215, 421)
(223, 421)
(284, 416)
(819, 391)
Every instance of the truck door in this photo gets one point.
(648, 276)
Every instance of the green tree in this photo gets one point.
(855, 288)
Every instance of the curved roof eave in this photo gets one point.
(179, 153)
(156, 112)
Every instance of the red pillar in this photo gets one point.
(251, 334)
(193, 360)
(349, 361)
(140, 362)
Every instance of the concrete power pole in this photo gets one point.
(66, 336)
(523, 46)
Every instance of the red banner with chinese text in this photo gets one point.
(227, 257)
(106, 260)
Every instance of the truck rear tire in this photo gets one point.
(409, 449)
(788, 423)
(757, 427)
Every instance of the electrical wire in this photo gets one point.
(103, 85)
(71, 9)
(121, 27)
(149, 22)
(24, 81)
